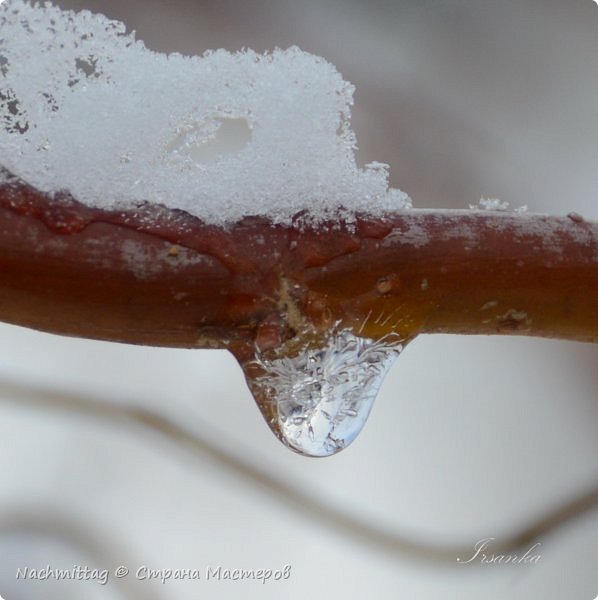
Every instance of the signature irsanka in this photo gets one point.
(484, 557)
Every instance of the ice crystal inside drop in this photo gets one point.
(318, 401)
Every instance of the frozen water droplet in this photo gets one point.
(318, 401)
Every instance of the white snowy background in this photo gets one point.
(470, 437)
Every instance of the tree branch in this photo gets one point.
(156, 276)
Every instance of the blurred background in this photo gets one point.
(470, 438)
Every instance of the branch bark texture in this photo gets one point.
(156, 276)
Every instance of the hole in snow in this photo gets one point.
(3, 65)
(87, 66)
(12, 116)
(212, 140)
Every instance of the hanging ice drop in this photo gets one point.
(318, 401)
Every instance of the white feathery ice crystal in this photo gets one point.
(86, 107)
(494, 204)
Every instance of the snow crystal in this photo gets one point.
(494, 204)
(86, 107)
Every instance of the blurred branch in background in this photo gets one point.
(98, 548)
(364, 531)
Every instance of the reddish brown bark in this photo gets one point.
(162, 277)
